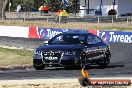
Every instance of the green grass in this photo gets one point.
(74, 25)
(15, 57)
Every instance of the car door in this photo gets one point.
(101, 47)
(92, 48)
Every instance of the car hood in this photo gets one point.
(61, 47)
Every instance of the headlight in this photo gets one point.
(37, 52)
(69, 53)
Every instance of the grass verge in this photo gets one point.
(15, 57)
(74, 25)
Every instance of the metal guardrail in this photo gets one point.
(36, 16)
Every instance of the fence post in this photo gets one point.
(98, 19)
(112, 20)
(35, 19)
(59, 19)
(47, 18)
(24, 16)
(127, 20)
(130, 18)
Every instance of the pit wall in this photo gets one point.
(48, 33)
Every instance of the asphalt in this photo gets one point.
(121, 63)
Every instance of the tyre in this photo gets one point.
(106, 61)
(103, 65)
(38, 64)
(40, 67)
(82, 60)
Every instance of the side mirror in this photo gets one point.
(46, 42)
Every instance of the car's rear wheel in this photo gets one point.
(38, 64)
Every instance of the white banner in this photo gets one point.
(14, 31)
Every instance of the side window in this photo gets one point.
(57, 39)
(97, 39)
(92, 39)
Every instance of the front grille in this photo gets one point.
(51, 54)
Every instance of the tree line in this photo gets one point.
(33, 5)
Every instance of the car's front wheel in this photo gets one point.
(40, 67)
(103, 65)
(82, 60)
(38, 64)
(106, 60)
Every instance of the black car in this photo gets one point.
(72, 49)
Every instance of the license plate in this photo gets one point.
(51, 58)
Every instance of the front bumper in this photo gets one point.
(61, 61)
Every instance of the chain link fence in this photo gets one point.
(27, 16)
(50, 17)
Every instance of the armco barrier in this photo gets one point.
(48, 33)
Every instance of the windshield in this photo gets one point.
(68, 39)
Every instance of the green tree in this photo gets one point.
(54, 5)
(38, 3)
(27, 5)
(3, 5)
(75, 5)
(57, 4)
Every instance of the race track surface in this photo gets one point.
(121, 63)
